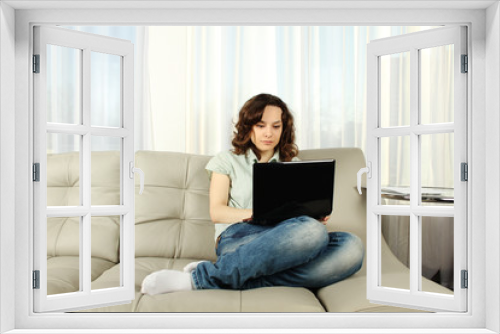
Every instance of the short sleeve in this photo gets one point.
(220, 164)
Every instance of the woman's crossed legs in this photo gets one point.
(297, 252)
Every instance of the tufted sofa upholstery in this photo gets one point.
(173, 228)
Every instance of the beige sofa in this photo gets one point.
(173, 228)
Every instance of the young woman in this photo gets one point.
(297, 252)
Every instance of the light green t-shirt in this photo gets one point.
(239, 168)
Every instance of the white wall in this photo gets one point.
(492, 163)
(7, 159)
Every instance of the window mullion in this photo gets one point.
(85, 177)
(415, 251)
(85, 162)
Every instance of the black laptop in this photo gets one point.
(283, 190)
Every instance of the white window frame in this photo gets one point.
(85, 297)
(483, 103)
(415, 296)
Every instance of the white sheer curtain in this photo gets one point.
(143, 115)
(191, 81)
(436, 106)
(201, 76)
(105, 80)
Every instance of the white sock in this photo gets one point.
(192, 266)
(165, 281)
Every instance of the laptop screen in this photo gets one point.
(286, 190)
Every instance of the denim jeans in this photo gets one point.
(297, 252)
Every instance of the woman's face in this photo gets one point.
(266, 134)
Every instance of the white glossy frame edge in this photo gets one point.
(484, 320)
(413, 43)
(86, 297)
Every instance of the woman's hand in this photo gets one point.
(324, 220)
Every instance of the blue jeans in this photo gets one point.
(297, 252)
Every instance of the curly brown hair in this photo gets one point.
(251, 113)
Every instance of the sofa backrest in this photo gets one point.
(63, 189)
(172, 215)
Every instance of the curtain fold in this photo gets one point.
(144, 132)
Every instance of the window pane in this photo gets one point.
(64, 84)
(395, 170)
(106, 90)
(63, 255)
(437, 84)
(106, 173)
(437, 170)
(395, 272)
(63, 169)
(395, 90)
(437, 254)
(106, 252)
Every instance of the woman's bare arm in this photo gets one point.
(220, 212)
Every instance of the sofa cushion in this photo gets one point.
(172, 214)
(63, 237)
(63, 234)
(63, 178)
(276, 299)
(63, 273)
(63, 189)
